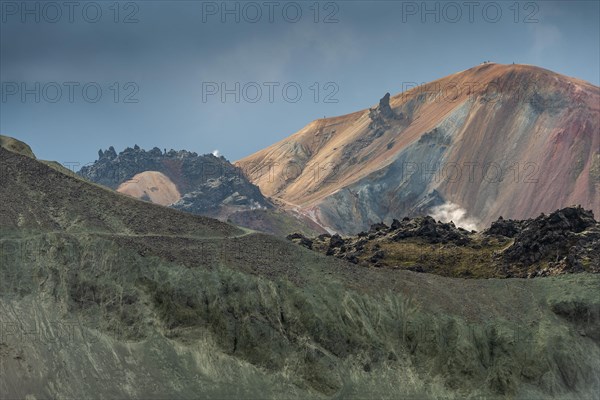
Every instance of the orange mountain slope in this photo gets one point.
(510, 140)
(152, 186)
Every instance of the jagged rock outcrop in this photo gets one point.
(187, 169)
(430, 230)
(204, 185)
(366, 246)
(382, 116)
(208, 185)
(503, 227)
(383, 112)
(565, 241)
(300, 239)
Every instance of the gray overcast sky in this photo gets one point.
(169, 56)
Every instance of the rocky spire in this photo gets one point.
(110, 153)
(381, 114)
(383, 111)
(384, 107)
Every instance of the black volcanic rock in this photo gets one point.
(568, 240)
(509, 228)
(300, 239)
(365, 248)
(380, 226)
(378, 255)
(336, 241)
(112, 169)
(430, 230)
(395, 225)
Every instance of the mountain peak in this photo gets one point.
(440, 143)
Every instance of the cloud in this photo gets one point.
(544, 37)
(270, 56)
(453, 212)
(216, 153)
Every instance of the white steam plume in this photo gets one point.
(453, 212)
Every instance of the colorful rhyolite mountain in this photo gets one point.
(494, 140)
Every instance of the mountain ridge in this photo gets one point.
(199, 184)
(452, 123)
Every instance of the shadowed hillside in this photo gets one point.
(106, 296)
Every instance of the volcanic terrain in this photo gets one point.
(494, 140)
